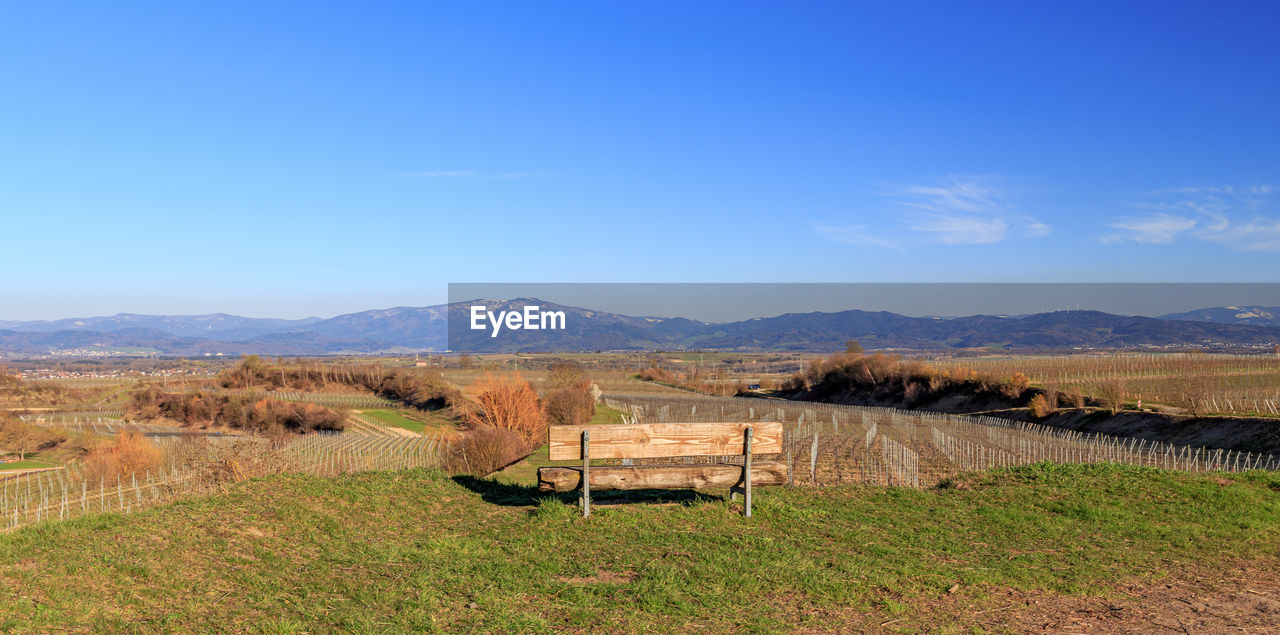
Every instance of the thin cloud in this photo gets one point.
(855, 235)
(469, 174)
(966, 211)
(957, 211)
(953, 229)
(1239, 218)
(1156, 229)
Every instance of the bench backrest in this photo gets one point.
(657, 440)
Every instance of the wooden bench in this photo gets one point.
(663, 440)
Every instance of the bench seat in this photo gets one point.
(677, 476)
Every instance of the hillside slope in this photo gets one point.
(419, 551)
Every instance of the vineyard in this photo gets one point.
(824, 443)
(829, 444)
(62, 493)
(1204, 383)
(362, 401)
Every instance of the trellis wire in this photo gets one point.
(829, 443)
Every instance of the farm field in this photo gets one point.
(1206, 383)
(32, 462)
(415, 422)
(1104, 547)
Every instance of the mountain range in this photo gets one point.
(420, 329)
(1255, 315)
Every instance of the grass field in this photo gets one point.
(418, 550)
(393, 418)
(33, 461)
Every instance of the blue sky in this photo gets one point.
(291, 159)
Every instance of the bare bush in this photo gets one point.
(509, 403)
(1111, 393)
(1041, 406)
(653, 373)
(424, 390)
(1015, 386)
(263, 415)
(1192, 393)
(571, 405)
(129, 454)
(217, 465)
(484, 450)
(564, 374)
(1074, 397)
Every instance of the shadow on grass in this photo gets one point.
(511, 495)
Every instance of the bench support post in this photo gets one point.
(746, 473)
(586, 473)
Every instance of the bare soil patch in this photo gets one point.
(1237, 597)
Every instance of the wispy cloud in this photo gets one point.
(469, 174)
(1240, 218)
(855, 235)
(954, 229)
(955, 211)
(1153, 229)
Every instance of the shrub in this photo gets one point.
(564, 374)
(1075, 398)
(913, 392)
(484, 450)
(1040, 406)
(1017, 384)
(422, 390)
(128, 455)
(258, 414)
(1111, 392)
(509, 404)
(216, 465)
(571, 405)
(653, 373)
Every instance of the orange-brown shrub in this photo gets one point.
(425, 390)
(257, 414)
(1017, 384)
(129, 454)
(571, 405)
(509, 403)
(484, 450)
(653, 373)
(565, 373)
(1075, 398)
(1040, 406)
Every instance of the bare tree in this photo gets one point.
(1111, 392)
(1192, 391)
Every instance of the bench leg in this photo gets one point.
(586, 473)
(746, 475)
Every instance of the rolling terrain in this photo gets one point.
(413, 329)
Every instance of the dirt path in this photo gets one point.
(31, 470)
(1237, 597)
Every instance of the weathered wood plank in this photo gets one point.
(568, 479)
(657, 440)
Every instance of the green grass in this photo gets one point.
(606, 415)
(32, 462)
(395, 419)
(417, 550)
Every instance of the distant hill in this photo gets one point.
(1255, 315)
(820, 331)
(216, 326)
(413, 329)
